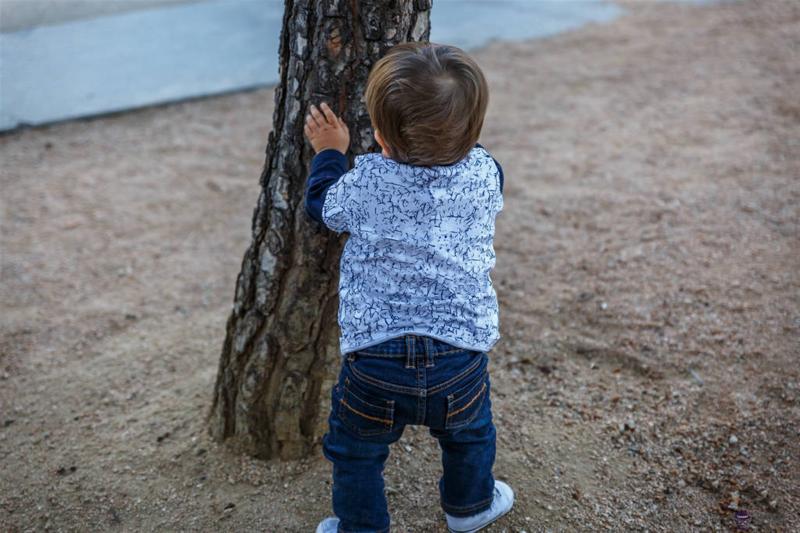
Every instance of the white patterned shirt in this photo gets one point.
(420, 248)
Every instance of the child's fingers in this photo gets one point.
(312, 122)
(318, 117)
(342, 123)
(307, 131)
(329, 114)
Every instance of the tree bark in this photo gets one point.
(281, 347)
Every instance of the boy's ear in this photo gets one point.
(379, 139)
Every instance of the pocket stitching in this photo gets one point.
(472, 383)
(351, 386)
(480, 396)
(477, 395)
(378, 383)
(455, 379)
(386, 423)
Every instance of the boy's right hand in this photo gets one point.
(325, 130)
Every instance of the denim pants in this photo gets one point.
(414, 380)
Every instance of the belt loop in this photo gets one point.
(428, 352)
(409, 351)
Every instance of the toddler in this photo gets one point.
(417, 309)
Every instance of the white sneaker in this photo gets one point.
(329, 525)
(502, 503)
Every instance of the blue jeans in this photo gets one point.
(413, 380)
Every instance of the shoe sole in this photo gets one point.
(492, 521)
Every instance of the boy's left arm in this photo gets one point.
(326, 169)
(330, 138)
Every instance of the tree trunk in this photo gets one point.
(281, 347)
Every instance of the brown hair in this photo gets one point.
(428, 102)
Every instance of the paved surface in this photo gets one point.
(23, 14)
(179, 50)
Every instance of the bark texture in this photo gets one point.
(281, 347)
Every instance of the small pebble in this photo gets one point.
(773, 504)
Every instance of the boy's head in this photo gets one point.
(427, 103)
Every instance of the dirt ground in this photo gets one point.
(648, 262)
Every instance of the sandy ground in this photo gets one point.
(647, 270)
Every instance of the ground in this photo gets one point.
(647, 271)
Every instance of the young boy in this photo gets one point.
(417, 309)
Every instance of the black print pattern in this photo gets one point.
(420, 250)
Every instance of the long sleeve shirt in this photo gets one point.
(420, 248)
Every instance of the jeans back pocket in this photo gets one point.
(465, 403)
(362, 412)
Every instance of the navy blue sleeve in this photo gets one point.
(499, 168)
(326, 168)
